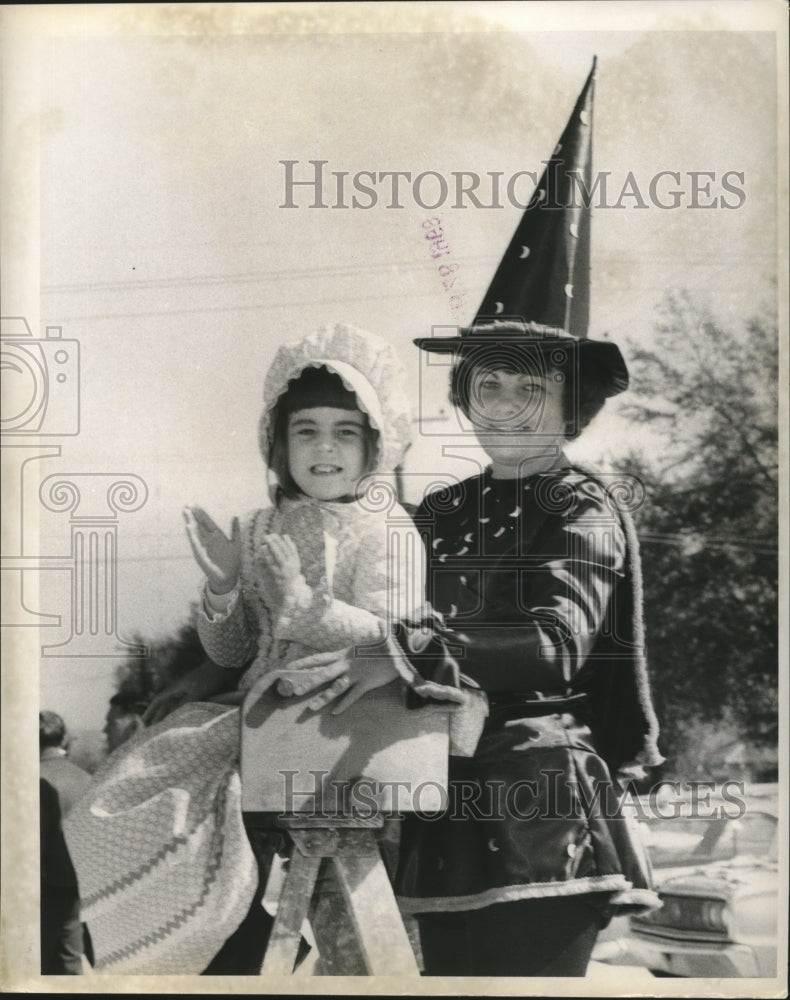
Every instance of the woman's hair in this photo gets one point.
(585, 383)
(311, 388)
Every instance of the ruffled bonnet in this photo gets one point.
(367, 365)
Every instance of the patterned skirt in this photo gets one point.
(165, 869)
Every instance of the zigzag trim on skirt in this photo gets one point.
(169, 848)
(161, 932)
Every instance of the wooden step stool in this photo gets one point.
(358, 928)
(295, 759)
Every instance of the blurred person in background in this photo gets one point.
(124, 719)
(61, 784)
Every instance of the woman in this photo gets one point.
(535, 569)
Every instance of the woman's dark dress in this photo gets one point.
(538, 581)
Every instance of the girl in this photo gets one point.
(164, 866)
(316, 570)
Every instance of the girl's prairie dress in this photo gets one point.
(165, 870)
(164, 866)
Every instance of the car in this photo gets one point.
(717, 876)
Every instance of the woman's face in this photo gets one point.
(518, 417)
(326, 451)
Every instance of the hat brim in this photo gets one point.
(605, 354)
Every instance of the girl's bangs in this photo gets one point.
(316, 387)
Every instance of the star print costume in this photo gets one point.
(165, 869)
(539, 582)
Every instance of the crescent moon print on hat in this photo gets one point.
(540, 293)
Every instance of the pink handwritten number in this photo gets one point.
(448, 271)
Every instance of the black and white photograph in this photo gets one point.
(394, 464)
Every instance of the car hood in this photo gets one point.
(741, 876)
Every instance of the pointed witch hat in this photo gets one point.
(540, 294)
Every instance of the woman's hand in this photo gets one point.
(348, 678)
(217, 555)
(357, 676)
(290, 683)
(199, 684)
(351, 677)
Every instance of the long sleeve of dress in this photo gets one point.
(537, 620)
(231, 637)
(387, 583)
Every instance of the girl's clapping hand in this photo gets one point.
(217, 555)
(282, 565)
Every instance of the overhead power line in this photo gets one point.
(356, 269)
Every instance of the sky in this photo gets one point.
(164, 250)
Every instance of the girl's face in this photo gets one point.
(326, 451)
(518, 418)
